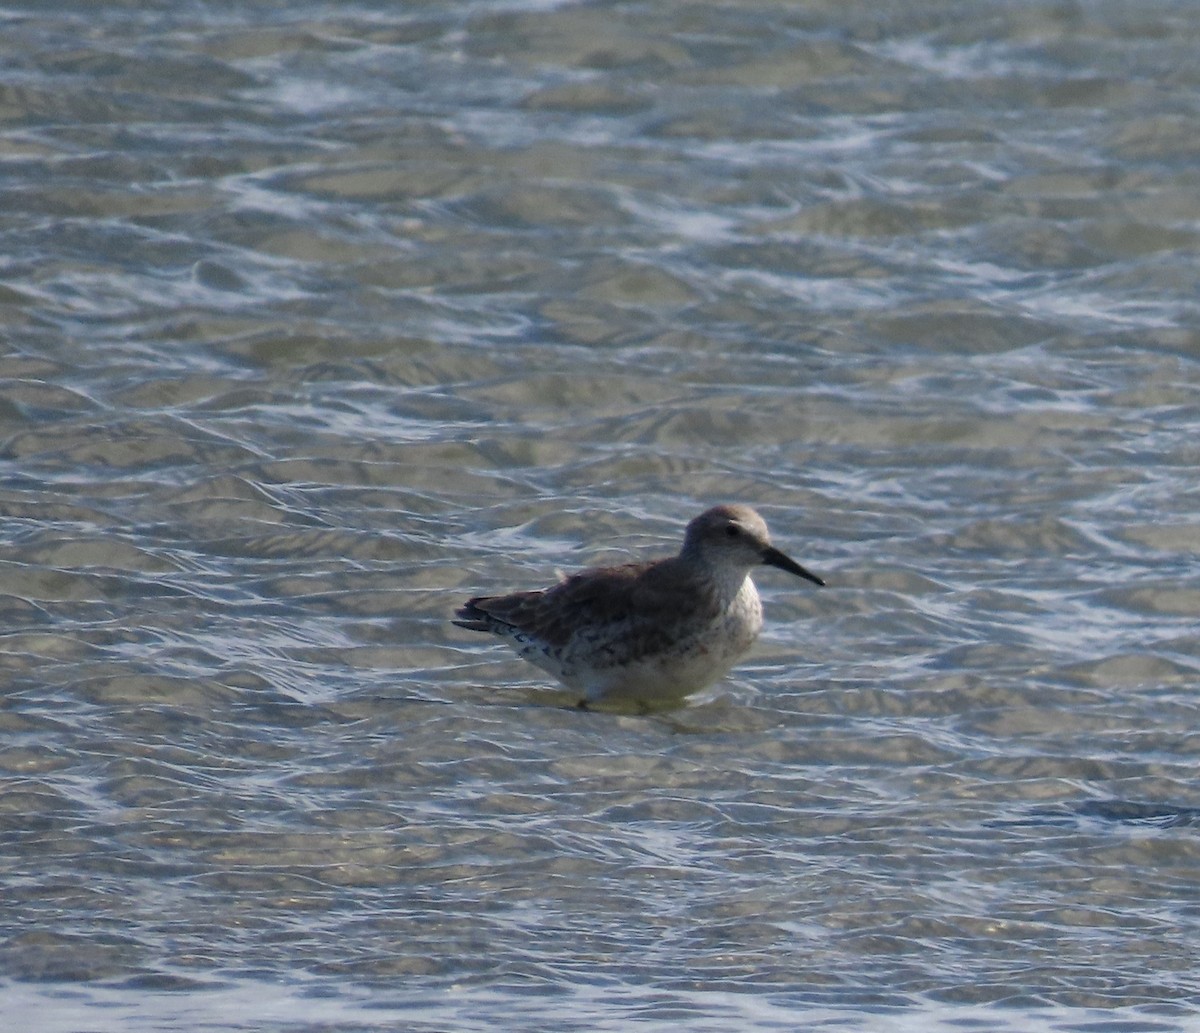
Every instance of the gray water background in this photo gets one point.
(317, 318)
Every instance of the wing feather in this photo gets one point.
(633, 603)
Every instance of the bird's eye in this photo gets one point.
(731, 531)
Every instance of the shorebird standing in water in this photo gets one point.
(649, 633)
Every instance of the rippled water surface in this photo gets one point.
(319, 317)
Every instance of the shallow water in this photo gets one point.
(319, 318)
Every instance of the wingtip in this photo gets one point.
(471, 625)
(471, 617)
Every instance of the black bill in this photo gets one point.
(772, 557)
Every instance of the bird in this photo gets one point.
(648, 633)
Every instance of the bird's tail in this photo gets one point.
(472, 617)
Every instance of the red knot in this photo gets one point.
(650, 633)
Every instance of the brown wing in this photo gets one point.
(495, 612)
(553, 614)
(638, 604)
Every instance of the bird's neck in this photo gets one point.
(723, 579)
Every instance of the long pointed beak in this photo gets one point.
(772, 557)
